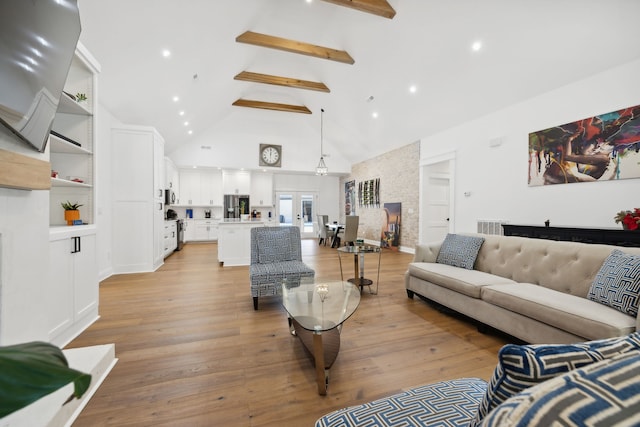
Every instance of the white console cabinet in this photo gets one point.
(72, 289)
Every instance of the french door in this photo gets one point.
(297, 208)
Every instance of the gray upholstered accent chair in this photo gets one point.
(324, 232)
(350, 233)
(276, 254)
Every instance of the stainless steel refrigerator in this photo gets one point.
(236, 205)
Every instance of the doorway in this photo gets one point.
(297, 208)
(436, 208)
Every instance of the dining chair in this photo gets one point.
(324, 232)
(350, 232)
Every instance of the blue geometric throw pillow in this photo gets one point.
(459, 251)
(601, 394)
(617, 284)
(523, 366)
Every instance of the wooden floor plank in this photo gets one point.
(193, 351)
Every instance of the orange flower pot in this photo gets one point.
(71, 215)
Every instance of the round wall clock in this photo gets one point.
(270, 155)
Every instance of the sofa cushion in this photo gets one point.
(459, 251)
(521, 367)
(617, 284)
(570, 313)
(274, 246)
(467, 282)
(446, 403)
(601, 394)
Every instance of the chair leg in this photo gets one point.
(255, 303)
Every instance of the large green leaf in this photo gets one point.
(32, 370)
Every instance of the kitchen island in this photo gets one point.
(234, 240)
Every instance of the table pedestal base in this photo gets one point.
(323, 346)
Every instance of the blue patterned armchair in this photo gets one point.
(276, 254)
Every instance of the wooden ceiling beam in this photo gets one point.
(377, 7)
(272, 106)
(248, 76)
(294, 46)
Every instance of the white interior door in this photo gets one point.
(297, 208)
(436, 201)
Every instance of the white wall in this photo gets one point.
(497, 177)
(24, 256)
(104, 194)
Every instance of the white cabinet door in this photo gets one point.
(236, 182)
(85, 281)
(60, 288)
(138, 198)
(190, 187)
(72, 291)
(211, 188)
(261, 189)
(189, 230)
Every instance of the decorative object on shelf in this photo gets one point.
(270, 155)
(547, 223)
(33, 370)
(71, 212)
(630, 219)
(321, 169)
(369, 193)
(81, 97)
(598, 148)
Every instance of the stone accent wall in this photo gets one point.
(399, 173)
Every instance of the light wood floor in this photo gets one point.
(193, 352)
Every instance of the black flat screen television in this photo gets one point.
(37, 41)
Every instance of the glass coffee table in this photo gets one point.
(317, 309)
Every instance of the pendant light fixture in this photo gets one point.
(321, 169)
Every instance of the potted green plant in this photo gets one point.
(81, 97)
(71, 212)
(33, 370)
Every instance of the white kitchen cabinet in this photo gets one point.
(138, 198)
(200, 187)
(72, 289)
(189, 230)
(171, 177)
(170, 237)
(71, 150)
(205, 230)
(261, 189)
(211, 187)
(236, 182)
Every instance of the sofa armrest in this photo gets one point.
(427, 252)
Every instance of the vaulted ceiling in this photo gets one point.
(356, 62)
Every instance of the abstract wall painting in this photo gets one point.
(350, 198)
(599, 148)
(391, 222)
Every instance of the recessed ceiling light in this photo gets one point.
(190, 132)
(374, 114)
(186, 123)
(166, 53)
(181, 113)
(476, 46)
(413, 88)
(175, 99)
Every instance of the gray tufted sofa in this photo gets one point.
(532, 289)
(276, 254)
